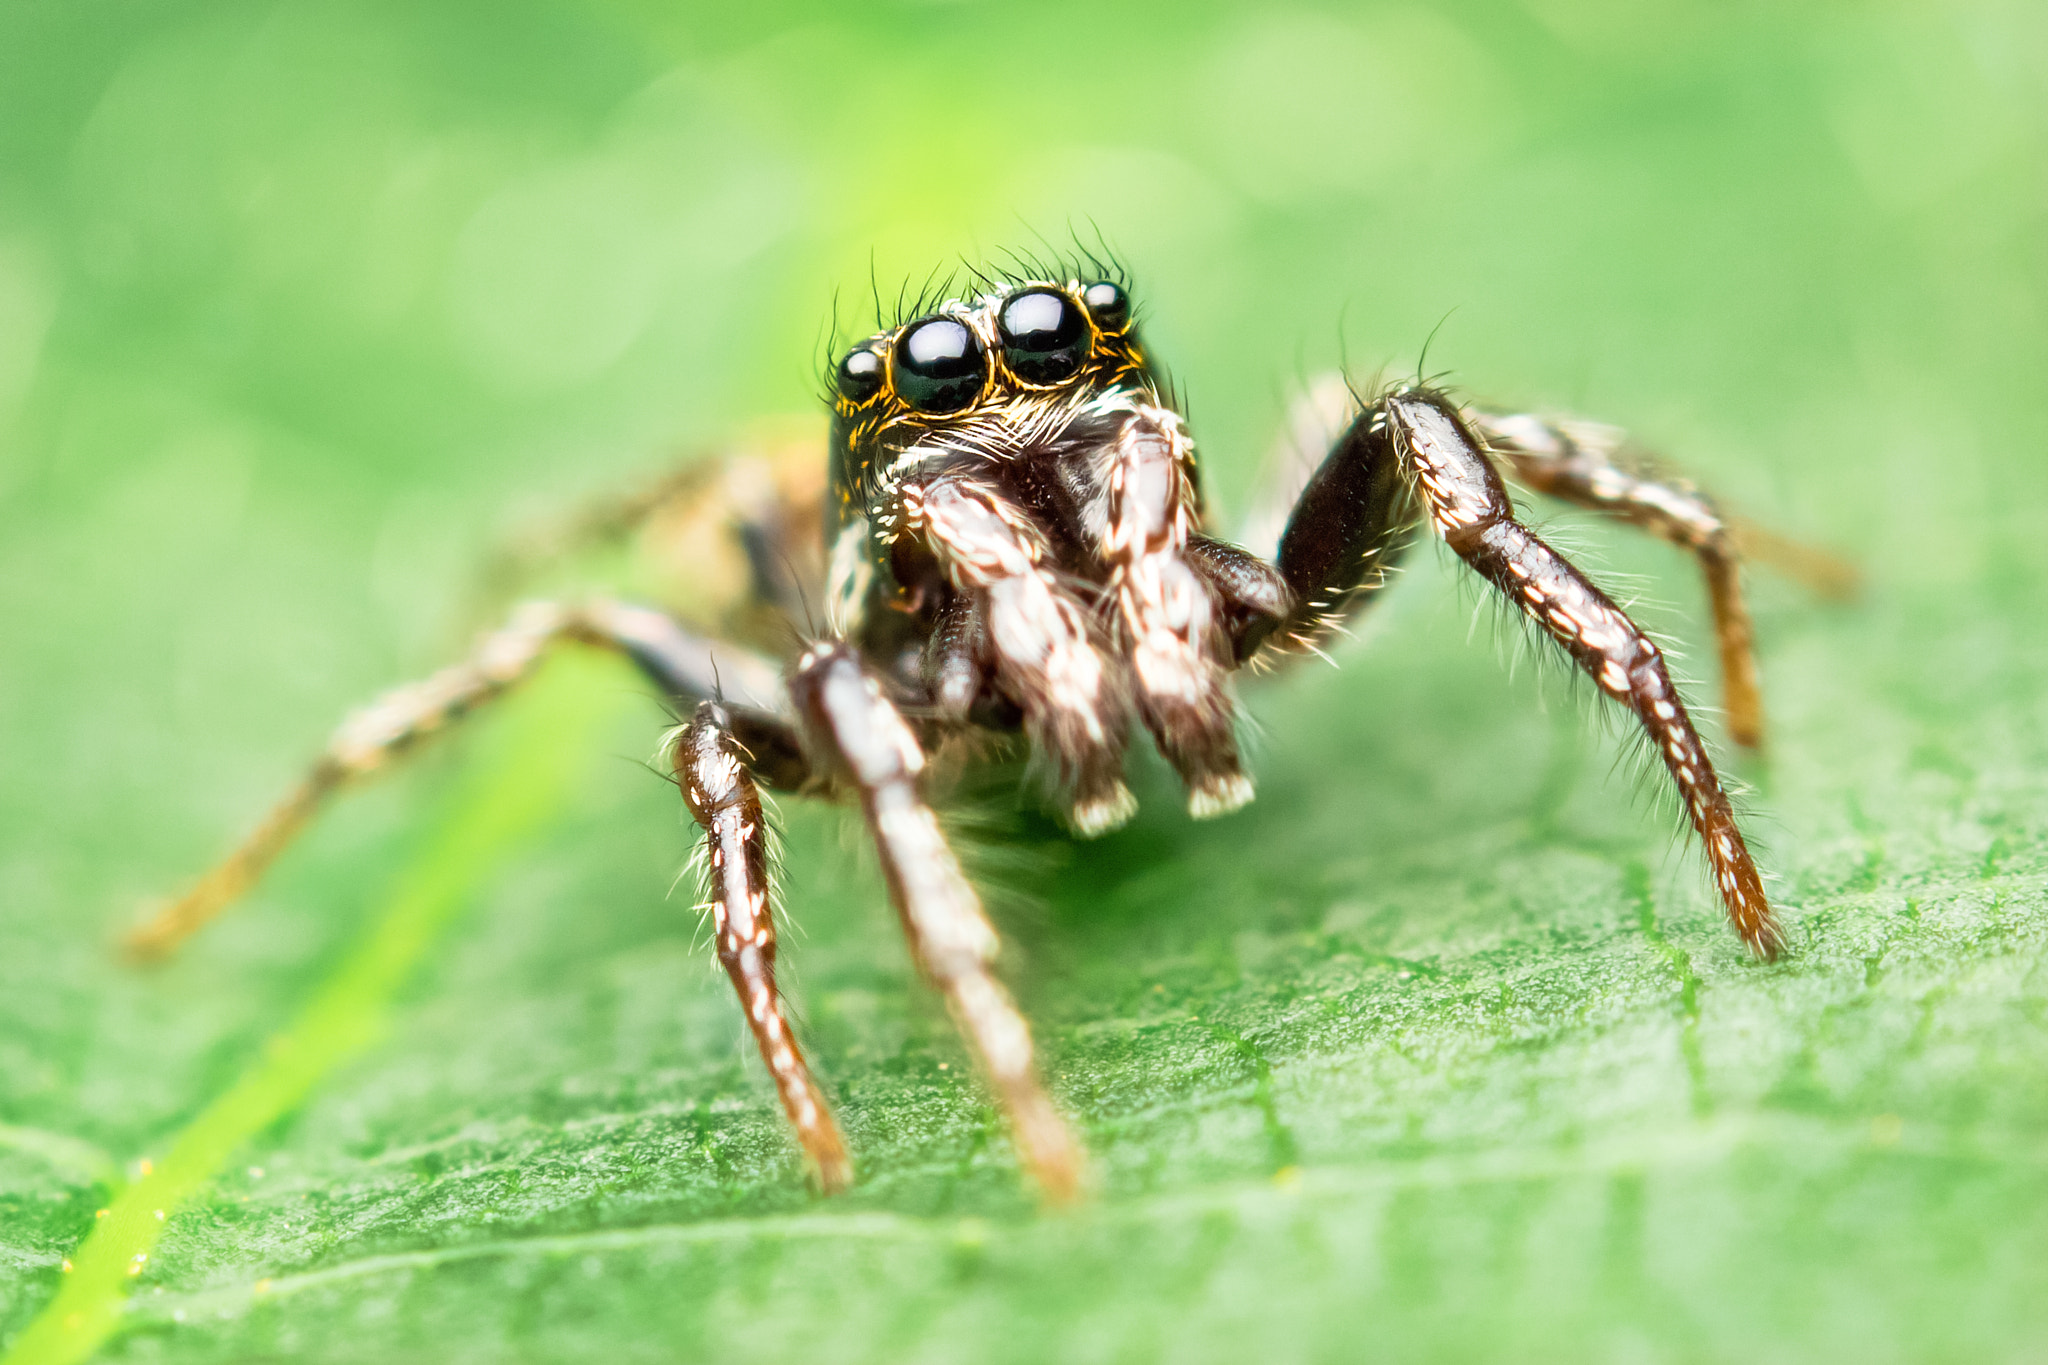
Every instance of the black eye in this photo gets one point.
(1045, 338)
(1109, 304)
(939, 366)
(860, 375)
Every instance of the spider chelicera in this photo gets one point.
(1013, 544)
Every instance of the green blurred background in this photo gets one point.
(1439, 1051)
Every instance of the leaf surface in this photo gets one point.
(1439, 1050)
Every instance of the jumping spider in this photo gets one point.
(1013, 544)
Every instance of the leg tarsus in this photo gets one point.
(230, 879)
(363, 743)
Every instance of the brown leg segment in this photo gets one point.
(1468, 505)
(681, 664)
(1574, 462)
(950, 938)
(1353, 520)
(710, 764)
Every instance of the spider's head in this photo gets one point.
(997, 374)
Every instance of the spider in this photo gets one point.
(1013, 545)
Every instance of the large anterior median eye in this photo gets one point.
(1045, 337)
(939, 365)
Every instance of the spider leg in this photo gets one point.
(1574, 462)
(1590, 464)
(1426, 436)
(1035, 637)
(1411, 456)
(1353, 520)
(740, 529)
(712, 766)
(951, 939)
(682, 665)
(1254, 597)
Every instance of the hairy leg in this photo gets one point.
(711, 765)
(1411, 454)
(1468, 505)
(1352, 521)
(1575, 462)
(682, 665)
(1588, 463)
(951, 939)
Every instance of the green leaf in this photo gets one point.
(495, 810)
(1441, 1049)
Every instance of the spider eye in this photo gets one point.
(1108, 303)
(939, 366)
(860, 375)
(1045, 338)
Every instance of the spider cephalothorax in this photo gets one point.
(1015, 544)
(1013, 502)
